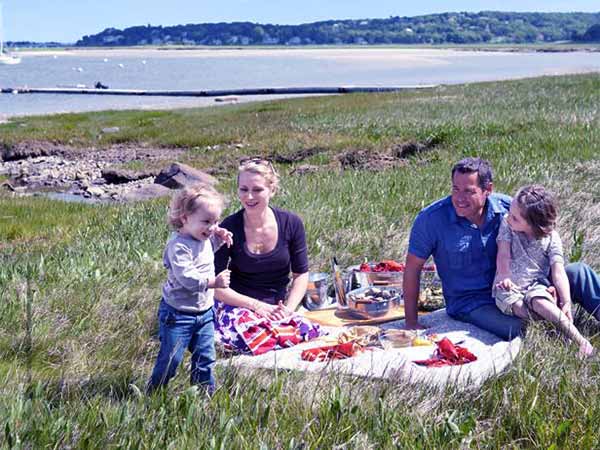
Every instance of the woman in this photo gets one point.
(256, 312)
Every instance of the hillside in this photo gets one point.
(453, 28)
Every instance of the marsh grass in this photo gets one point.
(80, 284)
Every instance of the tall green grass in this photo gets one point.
(80, 284)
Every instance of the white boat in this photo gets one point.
(6, 58)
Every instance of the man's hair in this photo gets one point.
(538, 207)
(482, 167)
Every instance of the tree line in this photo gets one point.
(446, 28)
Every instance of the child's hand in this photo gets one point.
(225, 235)
(567, 311)
(222, 280)
(506, 284)
(552, 291)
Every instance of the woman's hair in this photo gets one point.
(190, 199)
(263, 167)
(539, 209)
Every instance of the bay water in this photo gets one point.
(207, 69)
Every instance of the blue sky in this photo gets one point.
(69, 20)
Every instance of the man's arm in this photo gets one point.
(411, 286)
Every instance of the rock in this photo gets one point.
(304, 168)
(96, 191)
(121, 176)
(108, 130)
(8, 186)
(146, 192)
(178, 175)
(24, 150)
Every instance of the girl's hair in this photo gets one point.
(539, 209)
(263, 167)
(190, 199)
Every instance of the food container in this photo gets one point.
(372, 302)
(428, 277)
(316, 295)
(378, 277)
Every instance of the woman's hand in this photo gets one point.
(263, 309)
(281, 312)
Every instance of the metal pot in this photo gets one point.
(316, 295)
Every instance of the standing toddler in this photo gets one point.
(530, 254)
(185, 314)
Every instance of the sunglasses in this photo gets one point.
(259, 161)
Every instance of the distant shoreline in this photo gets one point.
(254, 50)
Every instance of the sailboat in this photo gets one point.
(6, 58)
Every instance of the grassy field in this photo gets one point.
(79, 284)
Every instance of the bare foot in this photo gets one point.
(585, 349)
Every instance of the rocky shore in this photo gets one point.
(94, 174)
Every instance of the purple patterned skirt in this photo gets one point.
(241, 330)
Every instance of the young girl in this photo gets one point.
(529, 256)
(185, 314)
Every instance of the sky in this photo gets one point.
(69, 20)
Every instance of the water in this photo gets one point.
(247, 68)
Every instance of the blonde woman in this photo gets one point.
(256, 312)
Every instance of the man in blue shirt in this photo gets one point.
(460, 232)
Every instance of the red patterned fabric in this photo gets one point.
(448, 354)
(262, 335)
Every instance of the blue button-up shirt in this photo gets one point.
(465, 255)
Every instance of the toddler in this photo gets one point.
(529, 256)
(185, 314)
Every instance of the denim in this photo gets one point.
(490, 318)
(464, 254)
(585, 290)
(585, 287)
(177, 332)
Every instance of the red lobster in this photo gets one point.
(448, 354)
(387, 265)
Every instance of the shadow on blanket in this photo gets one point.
(493, 356)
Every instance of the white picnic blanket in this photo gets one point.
(493, 356)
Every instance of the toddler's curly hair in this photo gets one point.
(190, 199)
(539, 208)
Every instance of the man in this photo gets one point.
(460, 232)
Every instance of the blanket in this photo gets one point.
(493, 356)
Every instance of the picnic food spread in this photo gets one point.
(363, 338)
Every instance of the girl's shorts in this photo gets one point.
(506, 299)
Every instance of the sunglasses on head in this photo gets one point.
(257, 160)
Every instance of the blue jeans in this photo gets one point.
(585, 287)
(178, 331)
(585, 290)
(490, 318)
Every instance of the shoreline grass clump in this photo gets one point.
(80, 284)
